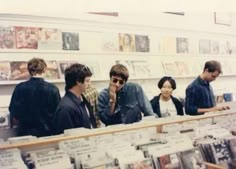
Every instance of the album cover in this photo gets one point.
(49, 38)
(169, 161)
(126, 42)
(141, 164)
(19, 70)
(192, 159)
(7, 37)
(5, 71)
(52, 71)
(26, 37)
(70, 41)
(110, 42)
(182, 45)
(141, 43)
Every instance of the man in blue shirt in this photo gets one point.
(199, 94)
(122, 102)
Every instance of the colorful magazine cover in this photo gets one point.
(19, 70)
(26, 37)
(5, 71)
(49, 38)
(70, 41)
(7, 37)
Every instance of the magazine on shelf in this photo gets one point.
(182, 45)
(5, 71)
(182, 68)
(49, 38)
(141, 69)
(7, 37)
(110, 42)
(26, 37)
(52, 71)
(126, 42)
(141, 43)
(19, 70)
(70, 41)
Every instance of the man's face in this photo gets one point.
(211, 76)
(84, 86)
(117, 82)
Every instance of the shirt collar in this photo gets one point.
(202, 82)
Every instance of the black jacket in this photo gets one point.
(71, 113)
(156, 105)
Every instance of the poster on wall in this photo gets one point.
(182, 68)
(126, 42)
(70, 41)
(225, 47)
(52, 71)
(5, 71)
(110, 42)
(49, 39)
(26, 37)
(204, 46)
(182, 45)
(7, 37)
(141, 43)
(19, 70)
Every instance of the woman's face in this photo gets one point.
(166, 90)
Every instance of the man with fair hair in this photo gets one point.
(34, 101)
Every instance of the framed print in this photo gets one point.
(223, 18)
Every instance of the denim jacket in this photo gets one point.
(131, 101)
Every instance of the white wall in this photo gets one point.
(193, 24)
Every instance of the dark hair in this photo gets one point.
(119, 70)
(213, 66)
(167, 78)
(76, 73)
(36, 66)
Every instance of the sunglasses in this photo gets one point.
(121, 82)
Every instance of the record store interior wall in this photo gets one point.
(174, 44)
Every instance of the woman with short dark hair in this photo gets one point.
(165, 104)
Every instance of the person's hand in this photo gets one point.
(112, 93)
(220, 108)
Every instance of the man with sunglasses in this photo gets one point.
(122, 102)
(74, 110)
(200, 98)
